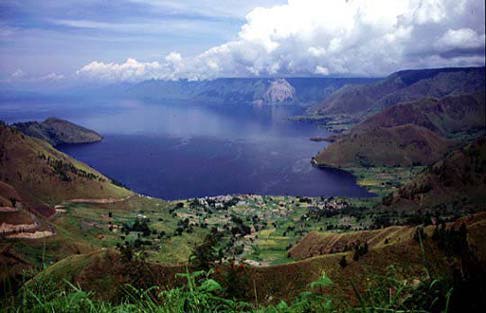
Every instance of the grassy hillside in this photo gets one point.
(34, 179)
(364, 100)
(457, 181)
(450, 116)
(319, 243)
(402, 145)
(57, 131)
(43, 176)
(395, 249)
(411, 133)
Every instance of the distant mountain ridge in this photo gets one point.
(409, 118)
(237, 91)
(364, 100)
(57, 131)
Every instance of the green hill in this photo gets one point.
(57, 131)
(43, 176)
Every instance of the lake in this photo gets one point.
(176, 151)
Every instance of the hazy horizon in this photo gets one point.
(89, 42)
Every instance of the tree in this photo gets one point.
(13, 201)
(360, 250)
(343, 263)
(206, 254)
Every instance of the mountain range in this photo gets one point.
(448, 107)
(363, 100)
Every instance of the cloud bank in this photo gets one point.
(327, 37)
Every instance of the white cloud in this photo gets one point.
(321, 70)
(323, 37)
(18, 74)
(174, 57)
(52, 77)
(460, 38)
(131, 70)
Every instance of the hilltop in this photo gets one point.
(411, 133)
(360, 101)
(37, 175)
(451, 116)
(458, 181)
(403, 145)
(57, 131)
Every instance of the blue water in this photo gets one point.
(176, 151)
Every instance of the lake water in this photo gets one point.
(176, 151)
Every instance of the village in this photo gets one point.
(254, 229)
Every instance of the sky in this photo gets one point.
(135, 40)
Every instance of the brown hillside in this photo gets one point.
(57, 131)
(314, 243)
(408, 133)
(104, 272)
(43, 176)
(446, 116)
(458, 179)
(7, 193)
(403, 145)
(361, 100)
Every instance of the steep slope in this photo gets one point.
(415, 132)
(403, 145)
(362, 100)
(318, 243)
(447, 116)
(104, 272)
(279, 91)
(57, 131)
(42, 176)
(457, 180)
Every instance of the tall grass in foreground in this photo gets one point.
(203, 294)
(462, 290)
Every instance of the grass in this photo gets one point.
(377, 287)
(201, 293)
(383, 180)
(281, 222)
